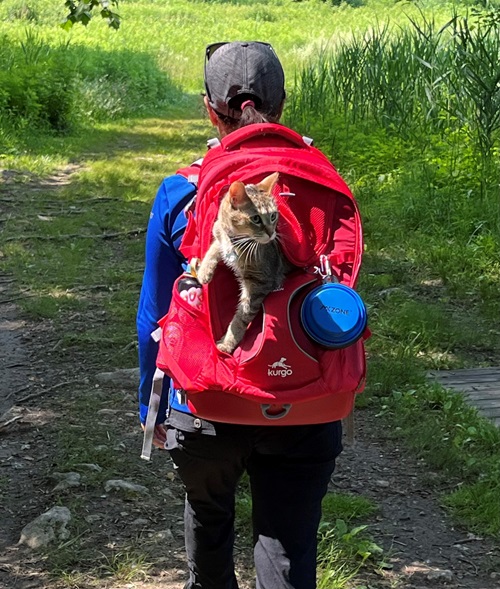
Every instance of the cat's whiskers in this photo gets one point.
(240, 239)
(247, 249)
(243, 246)
(254, 250)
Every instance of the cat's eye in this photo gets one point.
(256, 220)
(273, 217)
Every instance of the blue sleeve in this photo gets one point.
(163, 265)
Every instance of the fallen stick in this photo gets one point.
(18, 390)
(77, 236)
(43, 391)
(17, 298)
(7, 423)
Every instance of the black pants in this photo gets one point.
(289, 469)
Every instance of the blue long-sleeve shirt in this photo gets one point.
(164, 263)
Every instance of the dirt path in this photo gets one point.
(12, 358)
(422, 546)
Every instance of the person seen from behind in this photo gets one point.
(289, 467)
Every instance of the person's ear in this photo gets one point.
(282, 106)
(214, 119)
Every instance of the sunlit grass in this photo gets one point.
(178, 31)
(347, 507)
(343, 550)
(127, 566)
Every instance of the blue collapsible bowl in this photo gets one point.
(333, 315)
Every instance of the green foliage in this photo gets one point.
(244, 513)
(342, 551)
(410, 117)
(82, 12)
(426, 78)
(352, 3)
(63, 87)
(478, 505)
(37, 84)
(126, 566)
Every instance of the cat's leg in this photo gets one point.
(209, 263)
(250, 302)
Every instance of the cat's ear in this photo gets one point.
(268, 183)
(237, 194)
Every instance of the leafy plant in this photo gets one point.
(342, 552)
(81, 11)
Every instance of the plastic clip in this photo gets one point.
(325, 270)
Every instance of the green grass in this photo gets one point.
(347, 507)
(61, 80)
(477, 503)
(455, 442)
(127, 567)
(50, 244)
(177, 31)
(342, 551)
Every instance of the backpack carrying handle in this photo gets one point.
(233, 141)
(269, 414)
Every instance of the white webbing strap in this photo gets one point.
(154, 405)
(211, 143)
(156, 334)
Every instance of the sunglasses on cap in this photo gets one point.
(212, 48)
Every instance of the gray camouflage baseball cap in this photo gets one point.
(241, 70)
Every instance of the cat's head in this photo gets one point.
(252, 210)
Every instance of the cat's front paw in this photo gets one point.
(204, 275)
(226, 347)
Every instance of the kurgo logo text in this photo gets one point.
(279, 368)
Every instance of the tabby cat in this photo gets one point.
(245, 239)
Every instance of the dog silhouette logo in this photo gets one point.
(279, 364)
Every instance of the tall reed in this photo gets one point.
(424, 84)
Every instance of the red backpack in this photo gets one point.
(277, 375)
